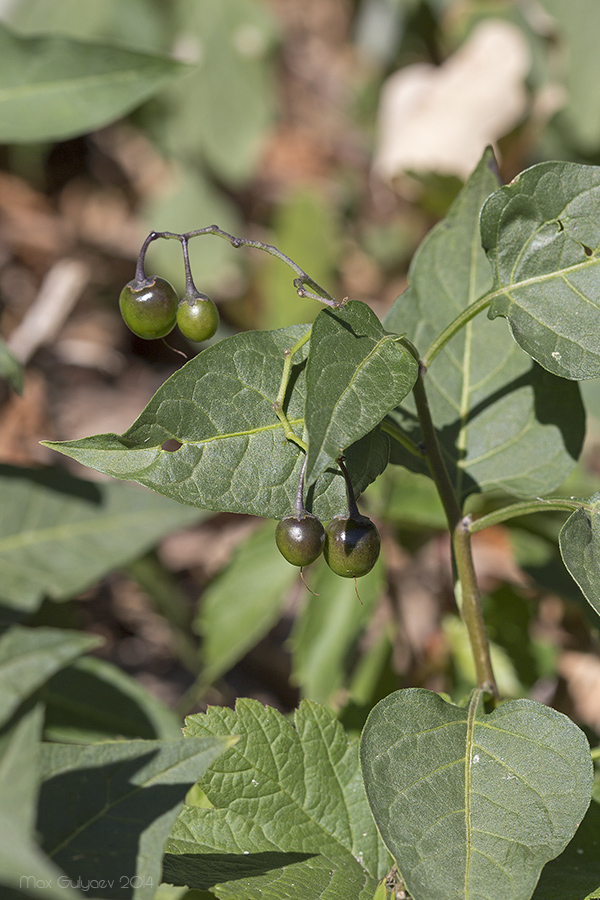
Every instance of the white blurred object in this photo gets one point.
(441, 118)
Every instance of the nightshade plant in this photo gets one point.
(440, 800)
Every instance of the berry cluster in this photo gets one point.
(150, 306)
(350, 543)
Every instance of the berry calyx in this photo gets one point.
(149, 307)
(197, 316)
(352, 545)
(300, 538)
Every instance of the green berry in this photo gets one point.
(149, 307)
(352, 545)
(300, 538)
(197, 316)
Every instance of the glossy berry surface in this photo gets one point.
(149, 307)
(352, 546)
(197, 317)
(300, 538)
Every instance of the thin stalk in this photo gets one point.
(285, 378)
(467, 589)
(454, 327)
(471, 611)
(300, 282)
(525, 508)
(596, 753)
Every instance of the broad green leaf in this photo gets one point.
(575, 874)
(578, 24)
(10, 369)
(327, 628)
(106, 809)
(542, 237)
(56, 87)
(224, 111)
(60, 534)
(502, 421)
(19, 766)
(243, 602)
(305, 228)
(25, 871)
(29, 656)
(92, 700)
(579, 542)
(234, 455)
(290, 816)
(473, 805)
(137, 23)
(356, 373)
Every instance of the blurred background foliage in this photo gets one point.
(339, 131)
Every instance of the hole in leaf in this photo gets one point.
(561, 227)
(587, 250)
(171, 445)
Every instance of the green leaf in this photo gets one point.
(473, 805)
(60, 534)
(234, 455)
(290, 819)
(576, 872)
(24, 870)
(306, 229)
(10, 369)
(29, 656)
(326, 630)
(55, 87)
(226, 108)
(579, 542)
(578, 24)
(243, 602)
(92, 700)
(542, 237)
(19, 764)
(356, 373)
(502, 422)
(106, 809)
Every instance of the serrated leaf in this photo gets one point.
(56, 87)
(92, 700)
(234, 455)
(356, 373)
(60, 534)
(243, 602)
(542, 237)
(473, 805)
(10, 368)
(502, 421)
(327, 628)
(290, 819)
(106, 809)
(29, 656)
(579, 542)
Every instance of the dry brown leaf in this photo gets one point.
(441, 118)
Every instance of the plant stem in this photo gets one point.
(454, 327)
(300, 282)
(466, 589)
(525, 508)
(285, 377)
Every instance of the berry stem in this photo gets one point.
(353, 510)
(300, 282)
(189, 279)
